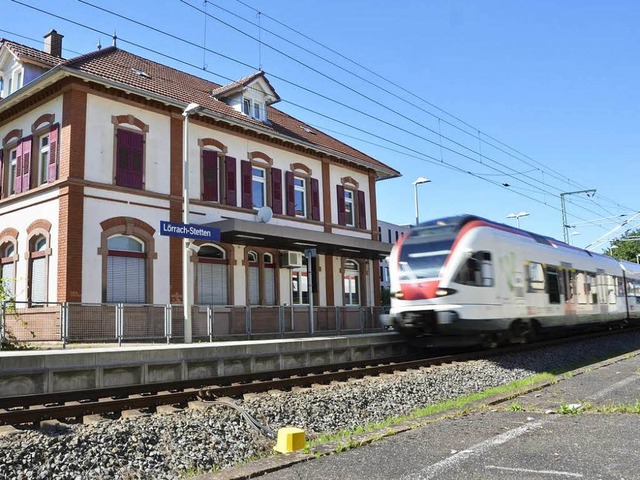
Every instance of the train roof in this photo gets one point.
(458, 222)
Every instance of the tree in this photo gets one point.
(626, 247)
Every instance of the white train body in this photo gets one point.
(468, 276)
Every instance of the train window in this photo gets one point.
(477, 270)
(536, 277)
(419, 260)
(553, 284)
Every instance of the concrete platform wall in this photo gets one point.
(49, 371)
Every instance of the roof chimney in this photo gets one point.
(53, 43)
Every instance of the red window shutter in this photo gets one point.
(52, 168)
(129, 167)
(315, 199)
(17, 181)
(1, 171)
(247, 183)
(362, 213)
(291, 201)
(342, 217)
(26, 162)
(276, 190)
(210, 175)
(230, 176)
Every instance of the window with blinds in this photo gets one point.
(212, 284)
(126, 271)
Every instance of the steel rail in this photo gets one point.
(35, 408)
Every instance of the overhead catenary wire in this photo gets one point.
(413, 95)
(453, 151)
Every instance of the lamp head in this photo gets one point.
(420, 180)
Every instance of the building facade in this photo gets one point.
(388, 233)
(92, 160)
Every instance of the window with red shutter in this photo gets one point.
(52, 168)
(362, 213)
(129, 160)
(246, 179)
(276, 190)
(342, 217)
(210, 175)
(290, 188)
(230, 182)
(17, 179)
(315, 199)
(26, 162)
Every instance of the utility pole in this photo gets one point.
(590, 193)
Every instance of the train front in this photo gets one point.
(420, 305)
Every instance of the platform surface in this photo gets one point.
(523, 438)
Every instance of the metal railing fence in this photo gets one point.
(70, 322)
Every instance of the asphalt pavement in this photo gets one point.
(586, 425)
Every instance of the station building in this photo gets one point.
(92, 163)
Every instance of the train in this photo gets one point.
(465, 279)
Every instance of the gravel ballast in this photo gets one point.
(186, 442)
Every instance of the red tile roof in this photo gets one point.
(31, 55)
(121, 67)
(238, 85)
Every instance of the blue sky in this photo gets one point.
(539, 95)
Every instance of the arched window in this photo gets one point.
(126, 270)
(253, 275)
(351, 281)
(38, 270)
(7, 272)
(212, 271)
(261, 278)
(299, 284)
(269, 280)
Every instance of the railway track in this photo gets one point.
(73, 406)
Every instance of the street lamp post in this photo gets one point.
(418, 181)
(517, 217)
(186, 279)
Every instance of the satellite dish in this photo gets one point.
(264, 214)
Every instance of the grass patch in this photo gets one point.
(570, 409)
(515, 407)
(462, 405)
(614, 408)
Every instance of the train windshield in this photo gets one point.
(421, 260)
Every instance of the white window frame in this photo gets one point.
(349, 208)
(13, 165)
(300, 188)
(261, 182)
(351, 278)
(257, 110)
(246, 106)
(134, 245)
(43, 158)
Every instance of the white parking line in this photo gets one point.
(432, 470)
(543, 472)
(606, 391)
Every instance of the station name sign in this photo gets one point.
(188, 230)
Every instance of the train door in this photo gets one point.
(569, 282)
(554, 285)
(602, 291)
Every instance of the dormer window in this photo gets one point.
(250, 95)
(252, 108)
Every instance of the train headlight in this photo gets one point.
(443, 292)
(399, 295)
